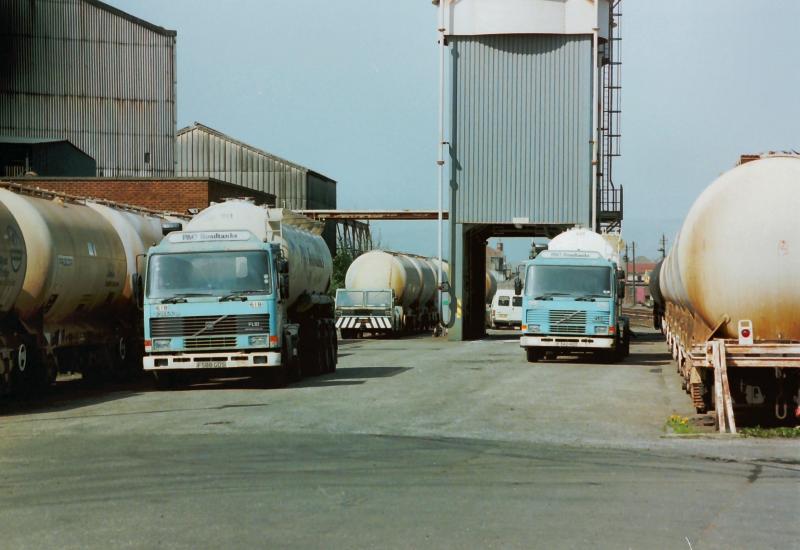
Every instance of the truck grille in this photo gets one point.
(212, 342)
(208, 325)
(567, 321)
(560, 321)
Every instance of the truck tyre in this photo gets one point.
(533, 355)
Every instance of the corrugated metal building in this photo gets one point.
(204, 152)
(522, 128)
(87, 72)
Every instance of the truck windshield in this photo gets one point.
(379, 298)
(208, 274)
(349, 298)
(554, 280)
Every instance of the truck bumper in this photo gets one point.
(368, 323)
(581, 342)
(213, 360)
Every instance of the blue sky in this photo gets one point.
(349, 88)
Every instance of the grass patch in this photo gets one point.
(758, 431)
(680, 425)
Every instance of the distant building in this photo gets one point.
(639, 280)
(204, 152)
(86, 72)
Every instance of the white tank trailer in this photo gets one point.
(68, 286)
(388, 292)
(280, 321)
(738, 282)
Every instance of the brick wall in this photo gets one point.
(173, 195)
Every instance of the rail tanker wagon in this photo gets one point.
(68, 285)
(388, 292)
(242, 287)
(731, 278)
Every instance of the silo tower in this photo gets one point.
(531, 127)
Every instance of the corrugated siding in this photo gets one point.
(522, 128)
(70, 69)
(321, 193)
(204, 154)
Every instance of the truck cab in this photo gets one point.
(212, 301)
(571, 304)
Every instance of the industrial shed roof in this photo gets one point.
(226, 137)
(131, 18)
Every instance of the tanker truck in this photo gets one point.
(68, 286)
(572, 299)
(241, 289)
(736, 289)
(388, 292)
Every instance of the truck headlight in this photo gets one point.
(533, 328)
(261, 341)
(160, 344)
(601, 329)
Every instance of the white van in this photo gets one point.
(506, 309)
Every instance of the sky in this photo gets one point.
(349, 89)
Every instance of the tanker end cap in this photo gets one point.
(169, 227)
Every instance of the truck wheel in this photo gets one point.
(533, 355)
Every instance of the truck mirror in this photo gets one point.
(517, 286)
(621, 288)
(282, 265)
(138, 290)
(284, 283)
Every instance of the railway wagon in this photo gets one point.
(69, 286)
(729, 297)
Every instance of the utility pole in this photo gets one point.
(633, 253)
(626, 259)
(663, 248)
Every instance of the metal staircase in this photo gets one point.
(609, 196)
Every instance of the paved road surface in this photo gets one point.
(415, 443)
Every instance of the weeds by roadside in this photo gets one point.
(680, 425)
(758, 431)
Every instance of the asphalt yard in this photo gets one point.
(412, 443)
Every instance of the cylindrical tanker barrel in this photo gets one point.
(13, 259)
(74, 260)
(491, 285)
(310, 262)
(738, 254)
(137, 232)
(586, 240)
(654, 285)
(379, 269)
(427, 277)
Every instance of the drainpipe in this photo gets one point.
(595, 124)
(440, 153)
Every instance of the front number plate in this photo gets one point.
(211, 364)
(568, 344)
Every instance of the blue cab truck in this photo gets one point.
(241, 289)
(572, 302)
